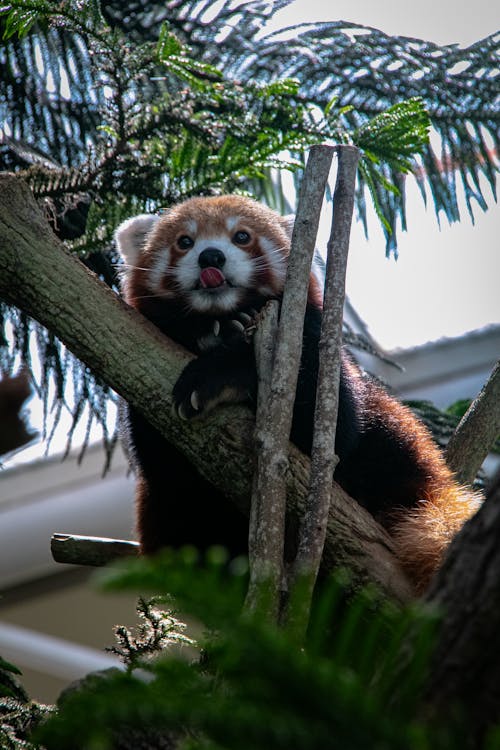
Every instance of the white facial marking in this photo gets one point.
(223, 301)
(191, 226)
(232, 222)
(158, 270)
(238, 271)
(274, 258)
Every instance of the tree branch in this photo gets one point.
(272, 438)
(131, 355)
(477, 431)
(90, 550)
(312, 530)
(262, 554)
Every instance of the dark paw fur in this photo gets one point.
(206, 383)
(244, 323)
(233, 332)
(239, 328)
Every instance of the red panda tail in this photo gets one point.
(423, 533)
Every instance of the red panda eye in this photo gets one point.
(241, 238)
(185, 242)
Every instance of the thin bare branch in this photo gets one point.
(323, 459)
(261, 557)
(273, 438)
(477, 431)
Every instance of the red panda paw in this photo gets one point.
(242, 326)
(206, 383)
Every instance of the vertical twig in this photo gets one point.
(258, 552)
(312, 531)
(478, 429)
(272, 440)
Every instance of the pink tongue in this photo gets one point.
(211, 277)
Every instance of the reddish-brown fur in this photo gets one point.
(210, 215)
(423, 531)
(391, 464)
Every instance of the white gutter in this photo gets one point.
(49, 496)
(51, 656)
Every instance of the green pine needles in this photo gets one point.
(18, 715)
(83, 17)
(356, 684)
(162, 118)
(389, 142)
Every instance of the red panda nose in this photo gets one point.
(211, 257)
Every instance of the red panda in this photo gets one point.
(200, 272)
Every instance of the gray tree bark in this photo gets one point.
(478, 429)
(465, 667)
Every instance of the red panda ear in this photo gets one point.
(287, 223)
(131, 235)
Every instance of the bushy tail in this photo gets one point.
(423, 533)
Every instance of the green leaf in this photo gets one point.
(255, 689)
(168, 43)
(332, 103)
(18, 21)
(8, 667)
(179, 61)
(278, 88)
(371, 176)
(397, 134)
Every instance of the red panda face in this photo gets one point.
(210, 253)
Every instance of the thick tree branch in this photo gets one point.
(40, 277)
(477, 431)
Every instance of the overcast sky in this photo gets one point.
(440, 21)
(446, 281)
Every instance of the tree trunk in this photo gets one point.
(465, 669)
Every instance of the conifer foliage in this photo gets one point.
(251, 686)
